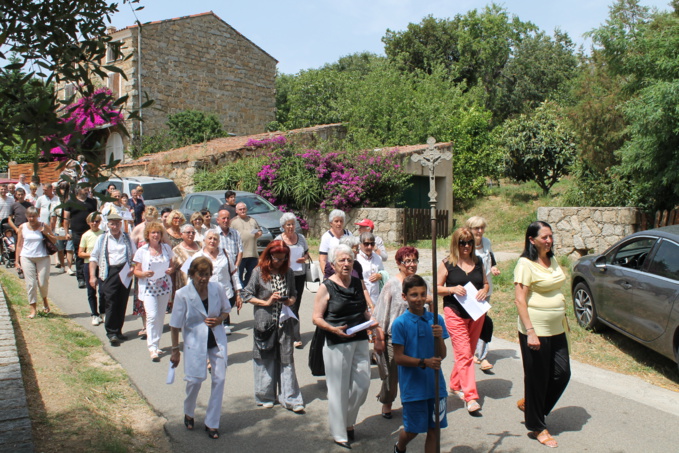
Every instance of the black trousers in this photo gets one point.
(79, 262)
(115, 296)
(546, 375)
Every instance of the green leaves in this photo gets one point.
(193, 126)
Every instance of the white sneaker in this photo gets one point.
(100, 319)
(96, 320)
(298, 409)
(69, 271)
(227, 329)
(268, 405)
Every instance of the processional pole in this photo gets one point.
(431, 159)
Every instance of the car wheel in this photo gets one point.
(583, 305)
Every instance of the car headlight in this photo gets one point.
(264, 230)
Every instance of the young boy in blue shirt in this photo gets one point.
(413, 337)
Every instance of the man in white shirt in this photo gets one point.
(231, 243)
(371, 264)
(6, 202)
(46, 203)
(23, 183)
(368, 225)
(112, 253)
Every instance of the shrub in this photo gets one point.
(193, 126)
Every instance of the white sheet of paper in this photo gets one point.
(186, 265)
(170, 375)
(362, 326)
(474, 308)
(158, 269)
(125, 214)
(286, 313)
(255, 231)
(123, 275)
(295, 254)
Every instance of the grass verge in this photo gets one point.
(79, 398)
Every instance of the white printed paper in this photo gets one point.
(295, 254)
(170, 375)
(158, 269)
(123, 275)
(286, 313)
(473, 307)
(255, 231)
(125, 214)
(360, 327)
(187, 264)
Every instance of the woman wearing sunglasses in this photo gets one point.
(462, 266)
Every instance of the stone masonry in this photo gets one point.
(15, 426)
(580, 230)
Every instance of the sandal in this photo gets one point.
(521, 404)
(188, 422)
(486, 365)
(473, 406)
(544, 438)
(212, 433)
(46, 310)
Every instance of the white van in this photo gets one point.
(158, 192)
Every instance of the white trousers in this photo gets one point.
(37, 275)
(347, 375)
(155, 307)
(214, 405)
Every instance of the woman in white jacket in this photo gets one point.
(199, 310)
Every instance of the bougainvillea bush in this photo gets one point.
(301, 180)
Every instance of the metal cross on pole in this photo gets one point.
(430, 159)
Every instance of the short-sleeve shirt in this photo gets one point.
(45, 205)
(6, 206)
(546, 303)
(18, 210)
(79, 213)
(88, 240)
(231, 242)
(371, 266)
(245, 228)
(329, 241)
(415, 335)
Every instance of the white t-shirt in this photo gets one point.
(45, 206)
(329, 241)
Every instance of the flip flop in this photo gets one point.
(46, 310)
(544, 438)
(486, 365)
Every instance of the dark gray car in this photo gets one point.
(633, 287)
(267, 215)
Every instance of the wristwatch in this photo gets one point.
(422, 364)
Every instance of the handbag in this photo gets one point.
(313, 272)
(265, 339)
(49, 245)
(316, 363)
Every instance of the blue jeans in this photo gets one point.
(245, 269)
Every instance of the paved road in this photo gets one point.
(600, 411)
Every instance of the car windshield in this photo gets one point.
(256, 204)
(157, 190)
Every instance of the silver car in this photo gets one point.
(633, 287)
(267, 215)
(158, 192)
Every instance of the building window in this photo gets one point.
(69, 91)
(114, 148)
(114, 52)
(114, 84)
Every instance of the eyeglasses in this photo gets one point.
(278, 260)
(369, 244)
(95, 221)
(409, 262)
(466, 243)
(189, 232)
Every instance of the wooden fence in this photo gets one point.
(417, 224)
(659, 219)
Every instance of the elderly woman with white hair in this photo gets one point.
(353, 243)
(342, 302)
(330, 238)
(299, 254)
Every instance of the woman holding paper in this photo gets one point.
(463, 267)
(272, 291)
(153, 267)
(199, 310)
(224, 270)
(183, 252)
(299, 254)
(340, 304)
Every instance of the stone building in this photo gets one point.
(195, 62)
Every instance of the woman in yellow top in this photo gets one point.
(542, 336)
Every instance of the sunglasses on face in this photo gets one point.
(466, 243)
(369, 244)
(409, 262)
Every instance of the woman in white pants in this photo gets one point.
(199, 311)
(341, 302)
(33, 258)
(154, 290)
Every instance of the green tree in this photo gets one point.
(193, 126)
(57, 41)
(539, 146)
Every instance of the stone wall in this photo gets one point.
(580, 230)
(388, 222)
(202, 63)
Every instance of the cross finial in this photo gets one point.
(430, 159)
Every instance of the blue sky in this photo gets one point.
(307, 34)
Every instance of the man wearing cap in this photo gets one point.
(368, 225)
(112, 253)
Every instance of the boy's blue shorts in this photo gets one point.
(418, 416)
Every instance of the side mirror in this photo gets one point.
(600, 263)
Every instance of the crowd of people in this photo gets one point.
(200, 273)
